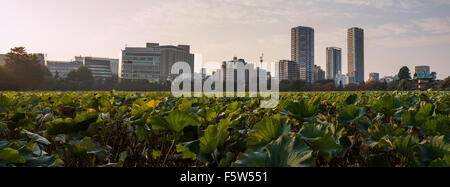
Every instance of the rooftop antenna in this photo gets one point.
(261, 60)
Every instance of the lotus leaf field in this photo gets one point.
(313, 129)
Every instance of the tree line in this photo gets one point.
(404, 82)
(23, 72)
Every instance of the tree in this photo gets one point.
(402, 85)
(404, 73)
(81, 78)
(24, 70)
(434, 74)
(5, 80)
(446, 83)
(298, 84)
(56, 77)
(373, 85)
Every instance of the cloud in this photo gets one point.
(433, 25)
(403, 4)
(427, 31)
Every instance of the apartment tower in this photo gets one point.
(302, 51)
(334, 62)
(355, 43)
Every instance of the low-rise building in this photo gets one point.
(288, 70)
(61, 69)
(100, 67)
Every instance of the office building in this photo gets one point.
(334, 62)
(140, 63)
(422, 69)
(171, 55)
(302, 51)
(61, 69)
(153, 62)
(355, 44)
(288, 70)
(101, 68)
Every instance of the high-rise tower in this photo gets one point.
(302, 51)
(334, 62)
(355, 43)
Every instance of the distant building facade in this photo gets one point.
(101, 68)
(153, 62)
(171, 55)
(374, 77)
(355, 44)
(334, 62)
(302, 51)
(288, 70)
(319, 74)
(230, 72)
(422, 69)
(140, 63)
(61, 69)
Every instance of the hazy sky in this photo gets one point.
(397, 32)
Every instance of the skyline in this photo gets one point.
(404, 32)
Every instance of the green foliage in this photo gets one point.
(128, 129)
(352, 100)
(431, 149)
(351, 113)
(11, 156)
(22, 71)
(284, 152)
(303, 110)
(267, 130)
(175, 121)
(404, 73)
(214, 137)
